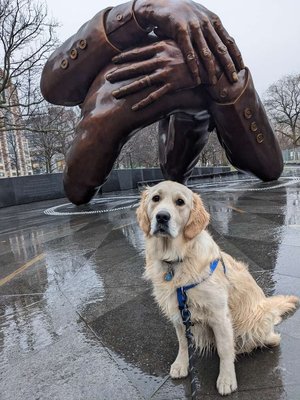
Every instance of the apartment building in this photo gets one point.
(14, 151)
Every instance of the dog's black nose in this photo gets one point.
(163, 217)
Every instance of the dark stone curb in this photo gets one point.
(28, 189)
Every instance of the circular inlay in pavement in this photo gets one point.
(118, 203)
(238, 185)
(96, 206)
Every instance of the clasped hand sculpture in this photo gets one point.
(159, 60)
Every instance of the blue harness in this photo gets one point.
(186, 319)
(182, 295)
(186, 314)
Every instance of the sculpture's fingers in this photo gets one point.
(221, 53)
(185, 44)
(133, 70)
(154, 96)
(204, 54)
(138, 54)
(138, 85)
(231, 45)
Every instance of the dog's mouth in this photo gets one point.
(161, 230)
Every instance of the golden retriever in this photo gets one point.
(229, 310)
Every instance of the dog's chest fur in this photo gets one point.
(201, 299)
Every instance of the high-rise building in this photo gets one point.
(14, 152)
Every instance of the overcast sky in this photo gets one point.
(266, 31)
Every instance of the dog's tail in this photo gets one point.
(259, 328)
(280, 305)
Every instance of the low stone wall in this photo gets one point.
(27, 189)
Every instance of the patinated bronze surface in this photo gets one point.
(189, 75)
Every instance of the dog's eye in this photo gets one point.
(179, 202)
(156, 198)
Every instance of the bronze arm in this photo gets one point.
(244, 129)
(72, 68)
(242, 124)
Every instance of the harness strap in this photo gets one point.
(181, 291)
(186, 319)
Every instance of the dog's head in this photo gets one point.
(170, 209)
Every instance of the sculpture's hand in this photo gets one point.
(190, 23)
(159, 65)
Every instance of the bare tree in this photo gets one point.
(213, 153)
(64, 123)
(124, 159)
(13, 153)
(50, 134)
(26, 38)
(141, 150)
(282, 101)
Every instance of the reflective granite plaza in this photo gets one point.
(77, 320)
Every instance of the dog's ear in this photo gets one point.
(199, 219)
(142, 215)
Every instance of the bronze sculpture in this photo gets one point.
(190, 76)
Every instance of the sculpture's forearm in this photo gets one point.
(72, 68)
(122, 27)
(244, 129)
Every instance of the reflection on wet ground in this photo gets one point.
(77, 321)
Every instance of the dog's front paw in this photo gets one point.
(226, 383)
(179, 370)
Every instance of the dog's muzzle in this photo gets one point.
(162, 223)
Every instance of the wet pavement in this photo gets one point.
(77, 321)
